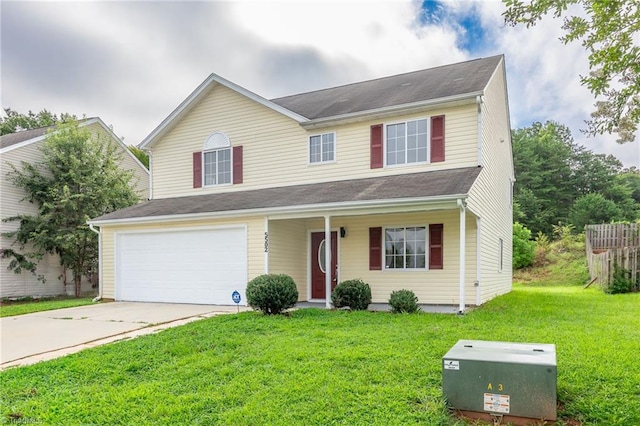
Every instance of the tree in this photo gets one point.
(78, 179)
(15, 121)
(608, 31)
(140, 155)
(552, 172)
(593, 209)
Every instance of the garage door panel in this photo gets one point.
(198, 266)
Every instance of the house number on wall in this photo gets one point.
(266, 242)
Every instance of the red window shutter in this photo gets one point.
(197, 169)
(436, 238)
(437, 138)
(376, 146)
(237, 164)
(375, 249)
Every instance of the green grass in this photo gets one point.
(9, 309)
(334, 367)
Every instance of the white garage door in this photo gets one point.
(198, 266)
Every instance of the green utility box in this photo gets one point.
(500, 378)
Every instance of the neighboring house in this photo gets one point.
(408, 176)
(25, 146)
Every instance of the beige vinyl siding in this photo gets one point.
(490, 195)
(438, 286)
(11, 204)
(255, 245)
(275, 148)
(288, 252)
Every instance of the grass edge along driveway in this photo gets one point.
(334, 367)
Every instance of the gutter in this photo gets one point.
(371, 113)
(313, 209)
(99, 232)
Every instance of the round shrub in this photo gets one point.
(524, 249)
(272, 293)
(354, 294)
(404, 301)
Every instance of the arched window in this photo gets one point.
(216, 158)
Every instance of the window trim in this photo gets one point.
(335, 149)
(500, 254)
(384, 248)
(384, 141)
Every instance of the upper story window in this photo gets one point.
(410, 142)
(216, 159)
(322, 148)
(407, 142)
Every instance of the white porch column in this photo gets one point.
(266, 245)
(463, 229)
(327, 260)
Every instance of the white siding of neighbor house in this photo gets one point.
(140, 181)
(255, 245)
(14, 285)
(275, 148)
(490, 195)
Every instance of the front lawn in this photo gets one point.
(322, 367)
(9, 309)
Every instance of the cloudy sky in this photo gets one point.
(132, 63)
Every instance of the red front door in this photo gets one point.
(318, 247)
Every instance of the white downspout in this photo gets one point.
(327, 261)
(461, 206)
(266, 244)
(150, 173)
(479, 103)
(99, 296)
(478, 261)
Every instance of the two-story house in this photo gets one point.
(404, 182)
(24, 146)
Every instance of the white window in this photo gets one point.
(216, 160)
(405, 248)
(407, 142)
(322, 148)
(501, 254)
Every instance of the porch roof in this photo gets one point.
(434, 185)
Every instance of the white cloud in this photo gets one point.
(133, 63)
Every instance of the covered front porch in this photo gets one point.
(429, 247)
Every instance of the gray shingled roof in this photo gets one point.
(25, 135)
(433, 83)
(415, 185)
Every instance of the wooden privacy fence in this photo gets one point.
(613, 235)
(611, 248)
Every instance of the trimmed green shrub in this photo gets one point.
(354, 294)
(404, 301)
(524, 249)
(272, 293)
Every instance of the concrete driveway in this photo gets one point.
(30, 338)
